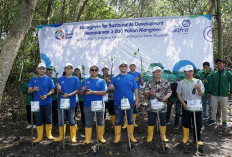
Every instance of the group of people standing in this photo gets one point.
(113, 92)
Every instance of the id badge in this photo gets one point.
(125, 105)
(156, 105)
(194, 105)
(105, 98)
(64, 104)
(35, 106)
(97, 106)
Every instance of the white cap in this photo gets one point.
(133, 63)
(122, 62)
(68, 64)
(156, 68)
(105, 67)
(93, 66)
(188, 68)
(41, 65)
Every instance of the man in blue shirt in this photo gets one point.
(67, 88)
(93, 89)
(42, 88)
(125, 86)
(139, 81)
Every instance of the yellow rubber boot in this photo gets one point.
(60, 138)
(73, 133)
(39, 134)
(200, 143)
(185, 135)
(49, 131)
(88, 135)
(117, 130)
(100, 130)
(113, 119)
(124, 126)
(134, 118)
(131, 133)
(163, 131)
(150, 132)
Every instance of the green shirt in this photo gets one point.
(220, 83)
(28, 97)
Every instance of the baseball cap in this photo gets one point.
(41, 65)
(68, 64)
(122, 62)
(156, 68)
(188, 68)
(220, 60)
(105, 67)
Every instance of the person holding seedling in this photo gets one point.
(42, 88)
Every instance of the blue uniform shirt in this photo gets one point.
(69, 85)
(136, 74)
(95, 85)
(45, 85)
(124, 85)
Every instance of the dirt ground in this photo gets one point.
(15, 140)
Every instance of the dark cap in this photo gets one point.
(220, 60)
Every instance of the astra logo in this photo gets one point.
(186, 23)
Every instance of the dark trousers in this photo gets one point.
(177, 116)
(135, 111)
(28, 109)
(109, 107)
(187, 119)
(44, 115)
(152, 117)
(54, 112)
(81, 103)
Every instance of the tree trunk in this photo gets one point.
(12, 43)
(219, 29)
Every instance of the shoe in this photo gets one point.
(131, 133)
(88, 135)
(185, 135)
(49, 131)
(60, 138)
(211, 122)
(176, 127)
(163, 131)
(150, 132)
(205, 118)
(28, 126)
(134, 118)
(224, 124)
(117, 130)
(73, 133)
(34, 126)
(100, 130)
(200, 143)
(39, 134)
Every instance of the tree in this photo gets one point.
(12, 42)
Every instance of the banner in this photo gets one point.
(170, 42)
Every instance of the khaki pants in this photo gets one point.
(223, 101)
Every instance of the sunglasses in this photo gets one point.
(121, 66)
(93, 69)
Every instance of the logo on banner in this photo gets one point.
(184, 28)
(186, 23)
(59, 34)
(208, 34)
(63, 34)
